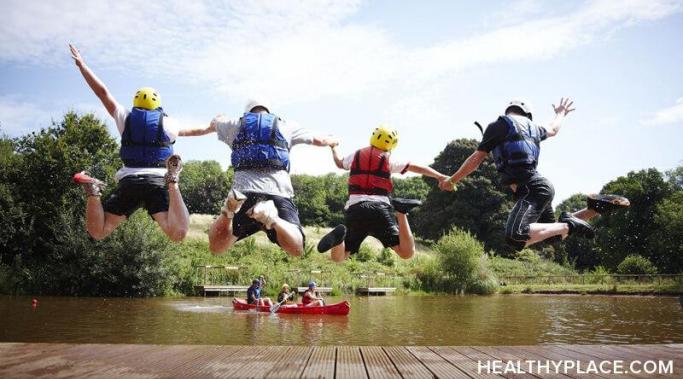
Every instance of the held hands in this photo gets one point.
(565, 107)
(445, 184)
(76, 55)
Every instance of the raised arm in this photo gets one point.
(338, 161)
(193, 132)
(94, 82)
(324, 141)
(426, 171)
(561, 112)
(470, 165)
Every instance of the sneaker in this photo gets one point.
(405, 205)
(264, 212)
(331, 239)
(604, 204)
(577, 226)
(174, 165)
(92, 186)
(233, 203)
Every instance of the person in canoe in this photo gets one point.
(150, 172)
(262, 192)
(254, 295)
(285, 296)
(515, 141)
(369, 210)
(311, 297)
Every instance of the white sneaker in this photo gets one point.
(233, 203)
(264, 212)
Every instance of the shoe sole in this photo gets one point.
(331, 239)
(79, 179)
(619, 201)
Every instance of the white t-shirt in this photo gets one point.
(170, 127)
(395, 166)
(266, 181)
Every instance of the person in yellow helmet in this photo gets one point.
(151, 168)
(370, 211)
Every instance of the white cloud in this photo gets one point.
(18, 117)
(289, 51)
(667, 116)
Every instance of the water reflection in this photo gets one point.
(429, 320)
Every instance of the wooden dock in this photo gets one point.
(322, 290)
(48, 360)
(219, 289)
(376, 291)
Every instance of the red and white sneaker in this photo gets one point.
(92, 186)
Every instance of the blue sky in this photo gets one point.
(428, 68)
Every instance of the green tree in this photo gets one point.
(634, 264)
(204, 186)
(634, 230)
(480, 204)
(667, 239)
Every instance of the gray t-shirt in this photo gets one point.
(267, 181)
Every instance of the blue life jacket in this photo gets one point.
(521, 146)
(259, 143)
(253, 294)
(144, 142)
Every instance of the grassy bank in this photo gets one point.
(596, 289)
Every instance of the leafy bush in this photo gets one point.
(599, 275)
(462, 260)
(636, 264)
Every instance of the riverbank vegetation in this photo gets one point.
(46, 250)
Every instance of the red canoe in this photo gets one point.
(341, 308)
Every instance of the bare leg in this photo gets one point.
(100, 224)
(406, 246)
(586, 214)
(289, 237)
(339, 253)
(176, 222)
(220, 235)
(539, 232)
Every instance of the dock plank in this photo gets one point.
(407, 365)
(349, 363)
(438, 365)
(321, 364)
(377, 364)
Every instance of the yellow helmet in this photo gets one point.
(384, 138)
(147, 98)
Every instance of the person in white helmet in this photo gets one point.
(514, 139)
(261, 194)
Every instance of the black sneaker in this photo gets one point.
(332, 239)
(577, 226)
(604, 204)
(405, 205)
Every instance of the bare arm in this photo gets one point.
(325, 141)
(94, 82)
(426, 171)
(561, 112)
(338, 161)
(198, 131)
(470, 165)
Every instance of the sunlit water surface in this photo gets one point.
(393, 320)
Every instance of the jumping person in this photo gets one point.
(310, 297)
(515, 141)
(254, 295)
(369, 210)
(151, 170)
(261, 195)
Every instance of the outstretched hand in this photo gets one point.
(565, 107)
(76, 55)
(445, 184)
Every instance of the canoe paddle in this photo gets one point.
(277, 306)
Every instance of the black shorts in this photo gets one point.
(533, 204)
(135, 191)
(243, 226)
(370, 218)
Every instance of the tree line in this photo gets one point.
(43, 243)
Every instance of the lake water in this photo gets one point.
(393, 320)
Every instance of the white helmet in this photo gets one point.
(522, 104)
(251, 104)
